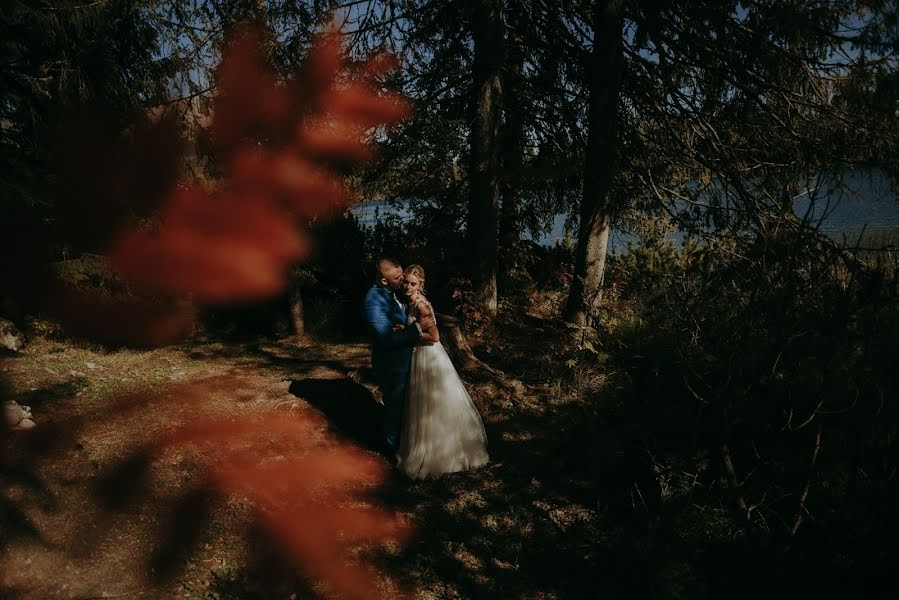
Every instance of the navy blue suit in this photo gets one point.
(391, 355)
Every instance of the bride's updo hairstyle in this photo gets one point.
(419, 272)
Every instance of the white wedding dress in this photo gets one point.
(442, 431)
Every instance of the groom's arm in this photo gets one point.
(379, 323)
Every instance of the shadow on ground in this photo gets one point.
(349, 407)
(292, 358)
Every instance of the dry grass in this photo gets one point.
(526, 526)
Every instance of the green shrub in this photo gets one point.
(766, 366)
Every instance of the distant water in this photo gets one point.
(868, 203)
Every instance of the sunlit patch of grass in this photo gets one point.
(465, 502)
(567, 516)
(52, 370)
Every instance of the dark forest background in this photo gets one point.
(738, 387)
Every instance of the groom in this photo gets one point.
(392, 343)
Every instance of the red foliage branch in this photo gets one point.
(281, 144)
(238, 243)
(310, 504)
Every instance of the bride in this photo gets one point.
(442, 431)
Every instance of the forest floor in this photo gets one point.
(528, 525)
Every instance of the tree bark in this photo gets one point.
(512, 139)
(605, 74)
(296, 312)
(454, 341)
(484, 187)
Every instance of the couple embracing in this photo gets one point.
(430, 424)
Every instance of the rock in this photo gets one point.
(16, 416)
(10, 336)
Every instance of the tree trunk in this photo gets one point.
(483, 210)
(296, 312)
(600, 167)
(260, 15)
(512, 140)
(457, 347)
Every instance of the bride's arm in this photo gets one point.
(426, 317)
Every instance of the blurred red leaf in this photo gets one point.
(237, 244)
(380, 64)
(249, 95)
(279, 141)
(325, 140)
(304, 188)
(217, 248)
(302, 502)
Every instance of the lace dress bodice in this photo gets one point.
(412, 317)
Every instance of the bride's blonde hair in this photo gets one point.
(419, 272)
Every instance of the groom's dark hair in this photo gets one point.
(384, 262)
